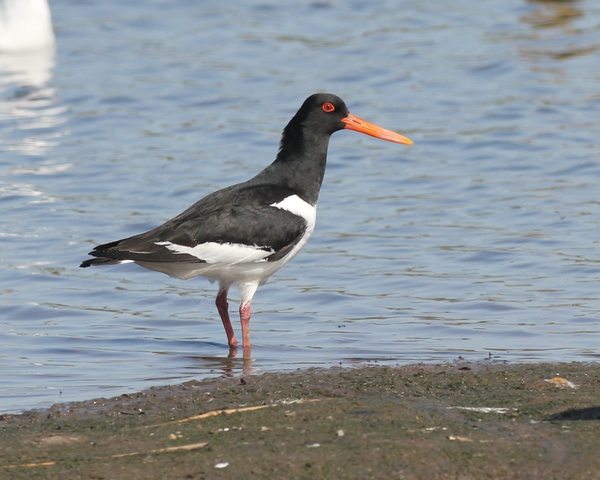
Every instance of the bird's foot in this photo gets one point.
(246, 352)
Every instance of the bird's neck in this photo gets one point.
(300, 163)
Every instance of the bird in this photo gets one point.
(242, 234)
(25, 25)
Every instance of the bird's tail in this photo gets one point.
(92, 262)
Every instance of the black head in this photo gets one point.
(300, 163)
(308, 132)
(322, 113)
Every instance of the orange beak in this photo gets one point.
(359, 125)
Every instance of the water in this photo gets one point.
(480, 239)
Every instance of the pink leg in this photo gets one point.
(248, 290)
(245, 315)
(222, 307)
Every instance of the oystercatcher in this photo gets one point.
(243, 234)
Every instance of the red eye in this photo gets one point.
(328, 107)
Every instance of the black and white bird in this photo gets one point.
(243, 234)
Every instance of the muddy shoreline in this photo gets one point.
(446, 421)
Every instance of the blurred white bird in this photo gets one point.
(25, 25)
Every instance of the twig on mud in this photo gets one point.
(30, 465)
(229, 411)
(213, 413)
(191, 446)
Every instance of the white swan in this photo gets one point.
(25, 25)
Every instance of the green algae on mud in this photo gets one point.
(451, 421)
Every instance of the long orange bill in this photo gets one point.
(359, 125)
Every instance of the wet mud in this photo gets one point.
(450, 421)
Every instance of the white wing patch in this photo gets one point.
(235, 262)
(294, 204)
(225, 253)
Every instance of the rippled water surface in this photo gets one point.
(479, 240)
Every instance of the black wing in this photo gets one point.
(239, 214)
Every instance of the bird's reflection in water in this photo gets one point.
(28, 105)
(232, 364)
(554, 13)
(552, 22)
